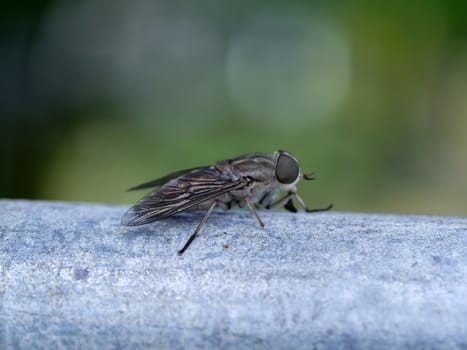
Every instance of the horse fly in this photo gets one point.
(250, 179)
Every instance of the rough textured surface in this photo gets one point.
(72, 277)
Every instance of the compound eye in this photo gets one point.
(287, 169)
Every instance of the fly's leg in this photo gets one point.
(288, 204)
(253, 210)
(282, 201)
(202, 222)
(303, 204)
(310, 176)
(290, 207)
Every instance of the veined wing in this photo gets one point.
(162, 180)
(179, 194)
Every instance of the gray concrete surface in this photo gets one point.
(72, 277)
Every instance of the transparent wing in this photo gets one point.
(162, 180)
(187, 191)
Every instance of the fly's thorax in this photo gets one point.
(268, 175)
(255, 166)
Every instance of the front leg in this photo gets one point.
(283, 201)
(303, 204)
(290, 207)
(288, 204)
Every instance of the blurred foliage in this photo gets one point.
(97, 96)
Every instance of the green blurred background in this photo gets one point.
(97, 96)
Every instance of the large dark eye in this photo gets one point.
(287, 169)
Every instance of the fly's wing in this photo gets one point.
(162, 180)
(187, 191)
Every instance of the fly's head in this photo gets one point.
(287, 170)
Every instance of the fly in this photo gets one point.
(248, 180)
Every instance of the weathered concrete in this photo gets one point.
(72, 277)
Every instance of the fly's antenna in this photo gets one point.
(310, 176)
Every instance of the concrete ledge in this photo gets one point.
(72, 277)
